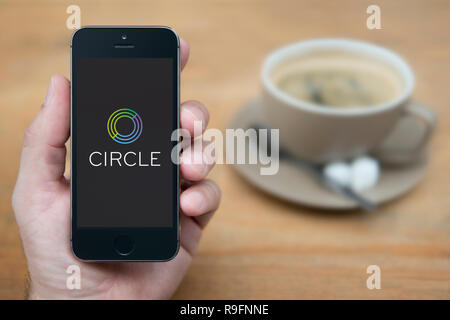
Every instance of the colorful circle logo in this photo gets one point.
(124, 138)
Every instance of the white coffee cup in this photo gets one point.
(322, 134)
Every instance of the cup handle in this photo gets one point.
(423, 115)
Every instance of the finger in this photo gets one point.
(51, 125)
(184, 49)
(197, 160)
(200, 201)
(194, 113)
(44, 152)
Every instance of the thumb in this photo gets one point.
(44, 152)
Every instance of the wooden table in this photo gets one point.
(257, 246)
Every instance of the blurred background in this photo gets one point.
(257, 247)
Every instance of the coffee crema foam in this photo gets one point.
(338, 79)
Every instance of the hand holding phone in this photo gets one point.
(41, 203)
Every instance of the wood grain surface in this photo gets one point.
(257, 246)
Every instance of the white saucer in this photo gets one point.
(295, 185)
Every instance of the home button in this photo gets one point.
(124, 245)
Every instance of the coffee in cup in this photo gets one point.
(338, 79)
(335, 99)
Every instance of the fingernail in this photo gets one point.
(50, 92)
(196, 114)
(196, 200)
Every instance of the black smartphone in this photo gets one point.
(124, 110)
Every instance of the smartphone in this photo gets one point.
(124, 110)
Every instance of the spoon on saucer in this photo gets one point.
(316, 171)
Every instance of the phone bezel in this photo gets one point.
(96, 243)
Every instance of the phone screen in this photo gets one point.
(125, 118)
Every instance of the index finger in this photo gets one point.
(184, 52)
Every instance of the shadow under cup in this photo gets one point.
(321, 133)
